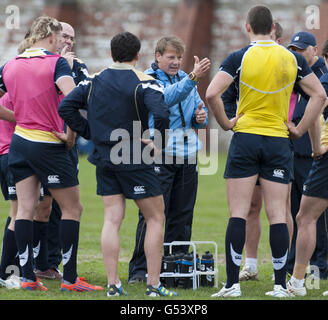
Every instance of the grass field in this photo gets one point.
(210, 220)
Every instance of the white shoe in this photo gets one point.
(279, 292)
(325, 293)
(13, 282)
(295, 290)
(246, 274)
(233, 291)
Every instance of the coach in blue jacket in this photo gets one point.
(178, 170)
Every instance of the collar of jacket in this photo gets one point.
(154, 66)
(319, 67)
(163, 76)
(121, 66)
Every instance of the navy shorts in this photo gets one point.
(73, 153)
(50, 162)
(251, 154)
(138, 184)
(316, 183)
(8, 187)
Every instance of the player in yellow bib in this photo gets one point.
(264, 74)
(263, 99)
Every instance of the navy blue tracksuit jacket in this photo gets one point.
(115, 99)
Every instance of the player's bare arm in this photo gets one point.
(217, 87)
(66, 85)
(313, 88)
(6, 114)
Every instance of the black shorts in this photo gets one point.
(73, 153)
(316, 183)
(138, 184)
(8, 187)
(50, 162)
(251, 154)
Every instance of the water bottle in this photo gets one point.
(207, 264)
(168, 266)
(178, 260)
(187, 266)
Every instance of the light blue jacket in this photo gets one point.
(185, 92)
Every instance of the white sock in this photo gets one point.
(117, 285)
(157, 286)
(297, 282)
(252, 263)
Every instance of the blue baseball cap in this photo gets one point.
(302, 40)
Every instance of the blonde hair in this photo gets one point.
(42, 27)
(172, 41)
(24, 44)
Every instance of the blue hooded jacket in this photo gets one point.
(180, 89)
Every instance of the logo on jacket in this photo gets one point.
(157, 169)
